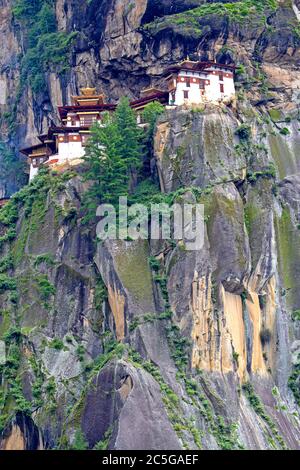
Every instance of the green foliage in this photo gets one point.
(57, 344)
(240, 69)
(80, 351)
(294, 381)
(7, 283)
(100, 294)
(154, 263)
(244, 132)
(149, 318)
(268, 172)
(30, 200)
(103, 444)
(80, 443)
(260, 411)
(46, 289)
(46, 48)
(296, 315)
(275, 114)
(284, 131)
(13, 334)
(113, 155)
(6, 263)
(46, 258)
(150, 115)
(190, 22)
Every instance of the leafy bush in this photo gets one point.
(46, 258)
(294, 382)
(296, 315)
(7, 283)
(46, 289)
(6, 263)
(57, 344)
(154, 263)
(284, 131)
(80, 443)
(244, 132)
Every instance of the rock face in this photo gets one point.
(198, 348)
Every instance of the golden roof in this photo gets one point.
(88, 91)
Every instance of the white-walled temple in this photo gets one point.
(198, 82)
(188, 83)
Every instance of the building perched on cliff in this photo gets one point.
(187, 83)
(65, 144)
(197, 82)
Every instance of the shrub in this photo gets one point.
(284, 131)
(154, 263)
(57, 344)
(80, 442)
(46, 258)
(243, 132)
(296, 315)
(7, 283)
(45, 287)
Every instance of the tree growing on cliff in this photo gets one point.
(113, 157)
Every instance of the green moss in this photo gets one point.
(282, 155)
(133, 269)
(275, 115)
(288, 239)
(251, 217)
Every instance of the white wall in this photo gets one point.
(212, 90)
(195, 96)
(70, 151)
(33, 172)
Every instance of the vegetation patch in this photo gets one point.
(46, 48)
(190, 22)
(294, 381)
(259, 409)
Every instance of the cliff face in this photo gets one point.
(92, 350)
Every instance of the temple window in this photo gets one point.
(188, 82)
(221, 77)
(221, 88)
(186, 94)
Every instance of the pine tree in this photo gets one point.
(130, 138)
(113, 157)
(106, 167)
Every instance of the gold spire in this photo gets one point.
(88, 91)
